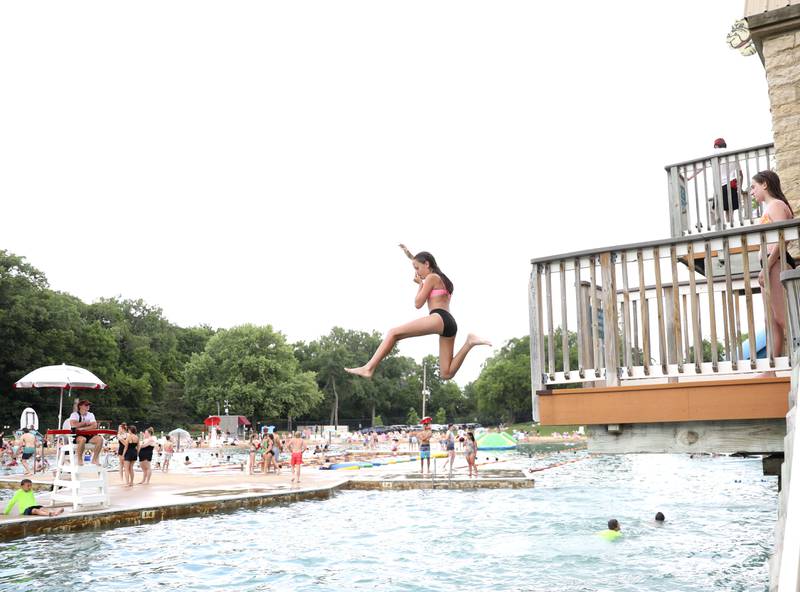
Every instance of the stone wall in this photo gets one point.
(781, 56)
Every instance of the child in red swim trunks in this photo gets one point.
(297, 446)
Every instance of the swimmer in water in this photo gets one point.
(660, 518)
(613, 532)
(435, 289)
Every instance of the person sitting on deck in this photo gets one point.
(613, 532)
(25, 501)
(83, 419)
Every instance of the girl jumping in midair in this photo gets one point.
(435, 288)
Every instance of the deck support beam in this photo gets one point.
(758, 436)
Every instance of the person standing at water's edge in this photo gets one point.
(424, 438)
(130, 454)
(122, 434)
(169, 450)
(146, 445)
(28, 442)
(297, 446)
(435, 288)
(450, 447)
(471, 451)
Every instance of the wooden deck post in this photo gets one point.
(607, 263)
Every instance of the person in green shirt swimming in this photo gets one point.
(613, 532)
(26, 502)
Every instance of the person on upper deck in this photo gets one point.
(766, 189)
(729, 175)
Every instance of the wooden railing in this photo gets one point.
(698, 190)
(653, 311)
(785, 563)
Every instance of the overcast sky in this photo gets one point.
(254, 162)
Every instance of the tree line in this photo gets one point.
(168, 376)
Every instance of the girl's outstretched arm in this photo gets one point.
(406, 251)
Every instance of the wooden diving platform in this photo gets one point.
(720, 416)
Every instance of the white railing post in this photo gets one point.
(791, 283)
(536, 345)
(788, 545)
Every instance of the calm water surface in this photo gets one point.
(720, 514)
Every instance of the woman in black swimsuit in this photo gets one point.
(146, 446)
(435, 288)
(130, 453)
(122, 433)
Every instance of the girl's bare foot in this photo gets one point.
(362, 371)
(474, 340)
(57, 512)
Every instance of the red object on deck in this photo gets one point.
(212, 420)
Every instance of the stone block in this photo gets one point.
(782, 59)
(784, 74)
(780, 95)
(785, 118)
(780, 112)
(774, 45)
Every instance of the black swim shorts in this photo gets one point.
(450, 328)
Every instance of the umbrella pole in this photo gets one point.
(60, 401)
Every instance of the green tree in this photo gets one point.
(440, 416)
(392, 388)
(445, 393)
(412, 418)
(378, 421)
(503, 389)
(255, 370)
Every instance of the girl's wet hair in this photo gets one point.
(425, 257)
(773, 183)
(132, 429)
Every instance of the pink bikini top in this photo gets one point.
(438, 292)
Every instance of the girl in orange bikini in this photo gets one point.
(435, 288)
(766, 189)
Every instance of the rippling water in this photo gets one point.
(718, 535)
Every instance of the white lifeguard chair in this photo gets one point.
(79, 485)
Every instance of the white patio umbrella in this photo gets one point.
(60, 377)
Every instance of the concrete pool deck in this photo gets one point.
(177, 495)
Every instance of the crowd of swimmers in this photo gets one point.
(265, 451)
(25, 449)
